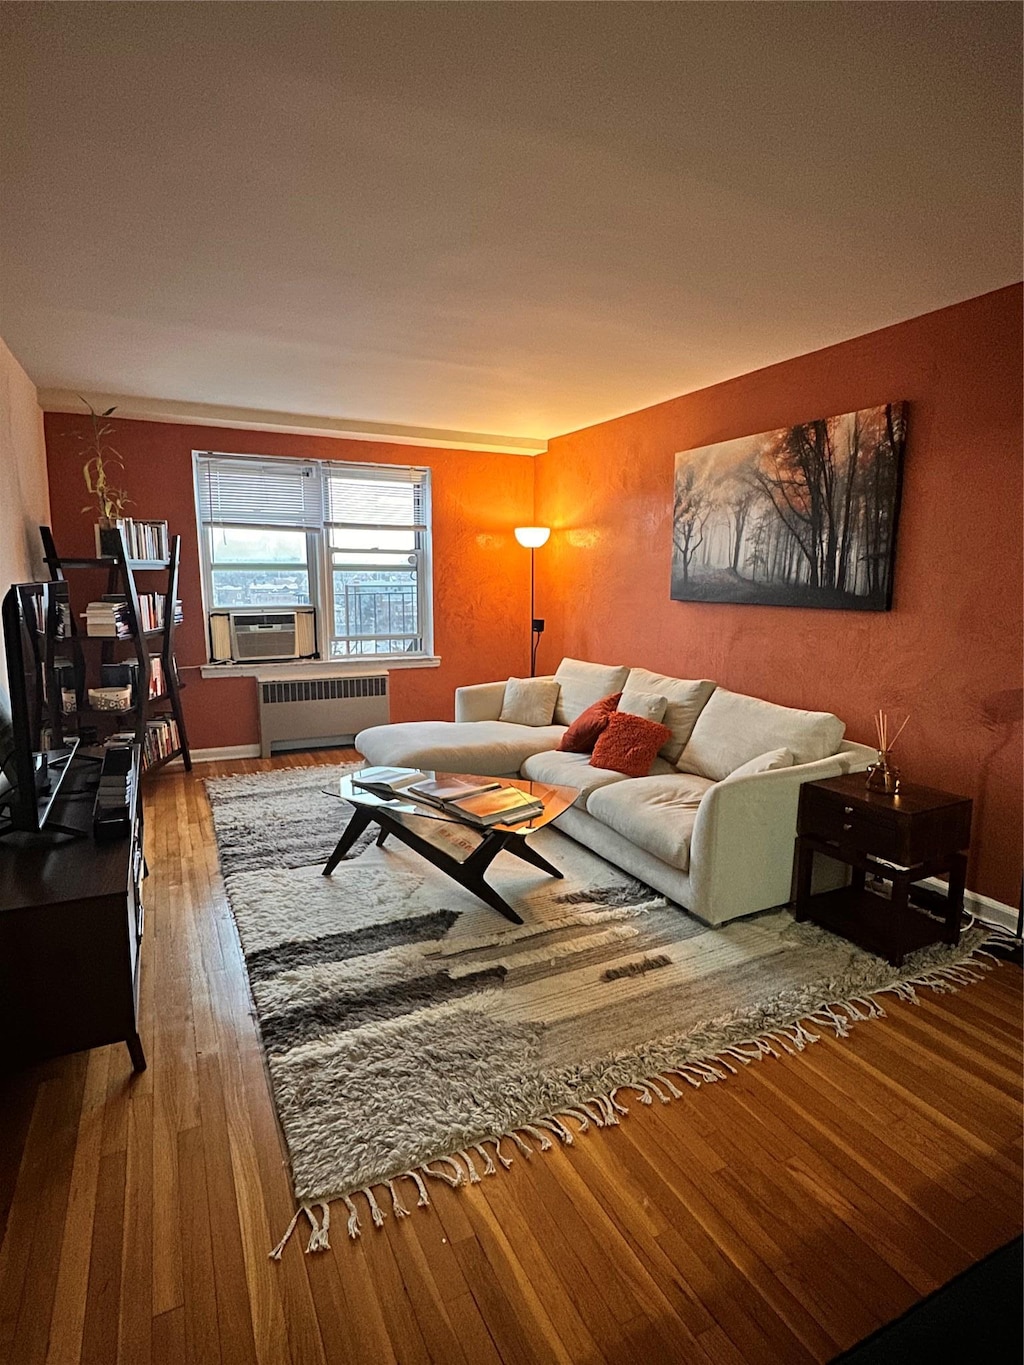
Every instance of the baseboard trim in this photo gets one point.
(228, 752)
(982, 907)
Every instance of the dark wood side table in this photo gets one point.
(902, 838)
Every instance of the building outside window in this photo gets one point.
(351, 540)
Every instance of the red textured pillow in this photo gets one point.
(629, 744)
(583, 733)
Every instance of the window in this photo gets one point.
(351, 540)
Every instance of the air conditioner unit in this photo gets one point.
(244, 636)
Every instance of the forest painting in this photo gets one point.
(802, 517)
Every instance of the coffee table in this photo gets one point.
(392, 816)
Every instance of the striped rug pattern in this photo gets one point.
(411, 1033)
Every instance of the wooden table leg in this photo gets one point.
(135, 1052)
(955, 896)
(361, 817)
(900, 908)
(804, 864)
(469, 872)
(516, 845)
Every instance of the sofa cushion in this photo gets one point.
(732, 729)
(582, 734)
(529, 701)
(491, 748)
(646, 704)
(582, 684)
(569, 770)
(763, 763)
(629, 744)
(656, 813)
(686, 700)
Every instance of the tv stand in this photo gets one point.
(71, 920)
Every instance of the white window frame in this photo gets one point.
(320, 564)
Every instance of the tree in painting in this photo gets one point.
(805, 516)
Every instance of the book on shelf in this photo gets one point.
(383, 781)
(506, 806)
(439, 790)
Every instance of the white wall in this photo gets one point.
(24, 496)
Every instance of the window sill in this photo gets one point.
(298, 669)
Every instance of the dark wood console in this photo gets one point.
(71, 920)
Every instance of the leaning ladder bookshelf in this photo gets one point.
(160, 744)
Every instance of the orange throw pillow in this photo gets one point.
(583, 733)
(629, 744)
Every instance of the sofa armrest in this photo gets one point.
(741, 853)
(481, 701)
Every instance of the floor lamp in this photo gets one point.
(532, 537)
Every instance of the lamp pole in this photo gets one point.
(533, 537)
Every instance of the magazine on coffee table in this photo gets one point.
(440, 790)
(506, 806)
(386, 782)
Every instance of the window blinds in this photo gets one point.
(234, 491)
(356, 495)
(237, 492)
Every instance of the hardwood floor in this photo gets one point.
(779, 1217)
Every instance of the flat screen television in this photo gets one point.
(34, 754)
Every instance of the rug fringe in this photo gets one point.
(602, 1111)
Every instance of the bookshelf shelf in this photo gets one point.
(156, 722)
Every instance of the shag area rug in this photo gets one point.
(412, 1033)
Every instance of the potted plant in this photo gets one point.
(101, 460)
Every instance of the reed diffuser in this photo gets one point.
(884, 776)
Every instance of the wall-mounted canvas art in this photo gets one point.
(802, 517)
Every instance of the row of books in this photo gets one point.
(162, 740)
(110, 617)
(144, 539)
(153, 610)
(483, 803)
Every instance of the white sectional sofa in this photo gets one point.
(711, 825)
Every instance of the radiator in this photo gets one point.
(320, 711)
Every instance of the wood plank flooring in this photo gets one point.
(779, 1217)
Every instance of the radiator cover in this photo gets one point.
(306, 712)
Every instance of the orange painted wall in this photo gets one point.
(481, 574)
(950, 650)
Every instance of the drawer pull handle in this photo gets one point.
(847, 827)
(847, 810)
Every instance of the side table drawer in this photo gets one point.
(825, 815)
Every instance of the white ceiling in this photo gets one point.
(490, 217)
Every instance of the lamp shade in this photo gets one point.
(532, 536)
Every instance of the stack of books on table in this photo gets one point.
(482, 801)
(503, 806)
(109, 617)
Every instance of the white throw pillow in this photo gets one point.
(686, 699)
(582, 684)
(529, 701)
(644, 704)
(732, 729)
(763, 763)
